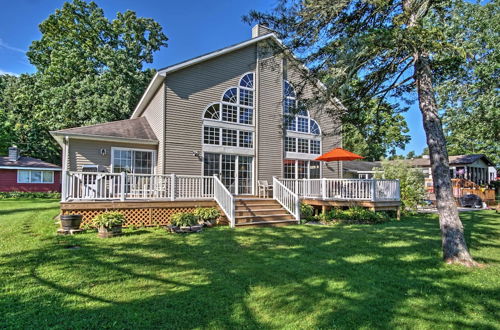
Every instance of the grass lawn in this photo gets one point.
(356, 276)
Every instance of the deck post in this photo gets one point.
(374, 190)
(172, 187)
(122, 185)
(323, 188)
(64, 185)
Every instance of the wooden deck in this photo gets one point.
(372, 205)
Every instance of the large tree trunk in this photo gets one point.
(453, 241)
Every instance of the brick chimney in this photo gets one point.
(13, 153)
(260, 30)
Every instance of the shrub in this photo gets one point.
(184, 219)
(207, 213)
(411, 181)
(357, 214)
(306, 212)
(28, 194)
(108, 220)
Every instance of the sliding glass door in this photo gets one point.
(235, 172)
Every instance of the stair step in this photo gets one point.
(257, 206)
(267, 223)
(271, 217)
(259, 212)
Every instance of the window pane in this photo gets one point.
(143, 162)
(247, 81)
(48, 176)
(213, 112)
(302, 169)
(314, 170)
(245, 174)
(230, 113)
(288, 89)
(314, 127)
(246, 97)
(229, 137)
(211, 135)
(246, 116)
(122, 161)
(290, 144)
(230, 96)
(246, 139)
(36, 177)
(315, 147)
(303, 146)
(228, 175)
(289, 168)
(23, 176)
(290, 123)
(211, 164)
(289, 106)
(303, 125)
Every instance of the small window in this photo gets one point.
(246, 139)
(229, 113)
(290, 123)
(35, 176)
(246, 116)
(302, 125)
(231, 96)
(212, 112)
(246, 97)
(303, 146)
(229, 137)
(247, 81)
(314, 127)
(288, 90)
(290, 144)
(315, 147)
(23, 176)
(211, 135)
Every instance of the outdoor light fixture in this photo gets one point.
(197, 154)
(103, 152)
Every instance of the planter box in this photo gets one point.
(109, 232)
(184, 229)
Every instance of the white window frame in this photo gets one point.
(296, 167)
(41, 177)
(153, 157)
(236, 164)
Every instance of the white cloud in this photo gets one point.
(2, 72)
(7, 46)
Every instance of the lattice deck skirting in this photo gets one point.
(137, 214)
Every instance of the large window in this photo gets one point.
(235, 172)
(301, 169)
(35, 176)
(305, 146)
(132, 161)
(227, 137)
(296, 118)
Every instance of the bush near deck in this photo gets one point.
(353, 276)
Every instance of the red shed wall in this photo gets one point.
(8, 182)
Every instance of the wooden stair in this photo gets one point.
(254, 211)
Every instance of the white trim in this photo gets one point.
(105, 138)
(211, 148)
(153, 158)
(41, 177)
(152, 87)
(299, 155)
(226, 124)
(30, 168)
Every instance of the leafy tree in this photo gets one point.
(411, 155)
(467, 89)
(388, 48)
(89, 70)
(411, 181)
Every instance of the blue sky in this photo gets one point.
(193, 28)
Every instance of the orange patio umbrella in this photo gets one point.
(338, 154)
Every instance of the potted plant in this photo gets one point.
(184, 222)
(109, 224)
(71, 221)
(207, 215)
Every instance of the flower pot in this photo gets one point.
(104, 232)
(71, 221)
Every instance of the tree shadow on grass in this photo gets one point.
(355, 276)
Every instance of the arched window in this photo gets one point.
(296, 116)
(315, 127)
(247, 81)
(212, 112)
(231, 95)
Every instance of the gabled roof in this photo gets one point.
(453, 160)
(25, 163)
(130, 129)
(162, 73)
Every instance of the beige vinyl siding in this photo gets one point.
(330, 130)
(270, 128)
(188, 93)
(154, 113)
(88, 152)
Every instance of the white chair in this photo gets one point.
(263, 188)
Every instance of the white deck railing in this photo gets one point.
(225, 200)
(345, 189)
(79, 186)
(287, 198)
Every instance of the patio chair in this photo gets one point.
(263, 187)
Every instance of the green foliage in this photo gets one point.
(108, 220)
(207, 213)
(306, 212)
(411, 182)
(89, 71)
(184, 219)
(27, 194)
(356, 214)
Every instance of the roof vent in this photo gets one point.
(13, 153)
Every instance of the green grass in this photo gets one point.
(356, 276)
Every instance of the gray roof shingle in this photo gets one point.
(27, 162)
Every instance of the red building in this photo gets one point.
(19, 173)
